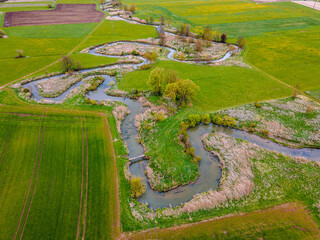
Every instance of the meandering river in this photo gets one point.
(209, 169)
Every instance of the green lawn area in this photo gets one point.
(220, 87)
(46, 150)
(288, 221)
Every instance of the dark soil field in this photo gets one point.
(63, 14)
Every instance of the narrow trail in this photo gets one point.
(31, 180)
(81, 194)
(87, 182)
(35, 184)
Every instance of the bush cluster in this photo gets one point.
(224, 120)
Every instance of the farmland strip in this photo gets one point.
(78, 229)
(34, 187)
(5, 145)
(34, 166)
(87, 179)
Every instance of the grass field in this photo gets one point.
(220, 87)
(288, 221)
(282, 38)
(48, 161)
(53, 41)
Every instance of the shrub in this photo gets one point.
(145, 66)
(191, 151)
(25, 90)
(196, 159)
(137, 186)
(111, 83)
(224, 121)
(132, 8)
(2, 33)
(310, 109)
(50, 6)
(135, 53)
(151, 56)
(194, 119)
(20, 54)
(134, 91)
(223, 37)
(206, 119)
(94, 102)
(159, 117)
(199, 45)
(265, 132)
(258, 105)
(241, 42)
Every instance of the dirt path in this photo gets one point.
(81, 194)
(26, 199)
(35, 184)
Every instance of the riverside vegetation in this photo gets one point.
(260, 178)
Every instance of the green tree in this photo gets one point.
(181, 91)
(138, 187)
(156, 80)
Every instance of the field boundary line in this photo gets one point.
(278, 80)
(26, 199)
(87, 180)
(35, 184)
(81, 192)
(55, 62)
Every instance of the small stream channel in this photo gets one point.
(210, 172)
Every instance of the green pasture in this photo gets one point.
(220, 87)
(56, 145)
(43, 45)
(282, 38)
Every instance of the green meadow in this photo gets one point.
(43, 45)
(282, 38)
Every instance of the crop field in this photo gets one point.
(57, 178)
(288, 221)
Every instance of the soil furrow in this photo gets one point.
(79, 218)
(26, 199)
(35, 184)
(87, 182)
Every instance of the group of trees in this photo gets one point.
(68, 64)
(170, 85)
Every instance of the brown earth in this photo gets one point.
(63, 14)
